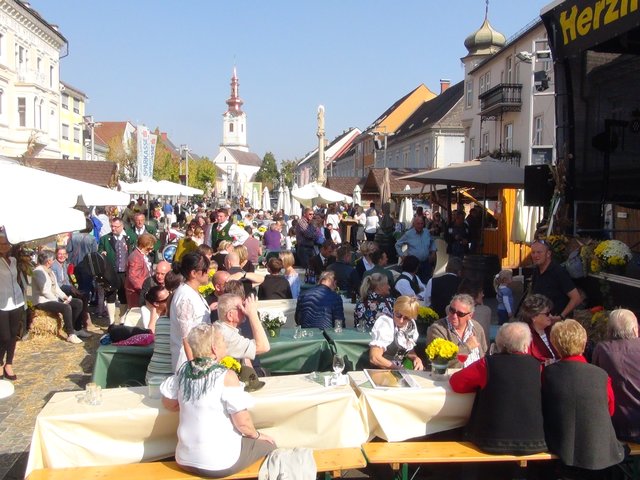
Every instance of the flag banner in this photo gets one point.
(145, 161)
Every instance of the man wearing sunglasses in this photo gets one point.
(552, 280)
(458, 327)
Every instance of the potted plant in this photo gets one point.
(272, 322)
(440, 353)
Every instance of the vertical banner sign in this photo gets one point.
(153, 139)
(145, 164)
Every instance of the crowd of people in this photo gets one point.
(535, 390)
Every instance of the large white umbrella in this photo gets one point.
(255, 198)
(51, 220)
(266, 200)
(406, 208)
(295, 204)
(357, 195)
(179, 189)
(280, 205)
(472, 174)
(287, 200)
(314, 193)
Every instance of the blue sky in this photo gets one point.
(168, 64)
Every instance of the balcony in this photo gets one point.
(511, 157)
(506, 97)
(32, 76)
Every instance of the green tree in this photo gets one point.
(166, 165)
(268, 173)
(127, 161)
(288, 169)
(202, 174)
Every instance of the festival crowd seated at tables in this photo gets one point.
(395, 337)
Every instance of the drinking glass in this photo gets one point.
(462, 357)
(338, 365)
(338, 327)
(297, 333)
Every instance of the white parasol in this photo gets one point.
(266, 200)
(406, 209)
(295, 204)
(314, 193)
(287, 200)
(280, 205)
(357, 195)
(255, 198)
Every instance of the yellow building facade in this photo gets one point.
(72, 110)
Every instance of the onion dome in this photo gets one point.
(485, 40)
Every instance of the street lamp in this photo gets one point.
(88, 122)
(184, 155)
(376, 133)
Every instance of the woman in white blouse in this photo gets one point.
(188, 306)
(216, 436)
(394, 339)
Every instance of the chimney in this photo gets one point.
(163, 135)
(444, 84)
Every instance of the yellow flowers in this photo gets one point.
(610, 253)
(206, 289)
(441, 350)
(426, 315)
(240, 224)
(231, 363)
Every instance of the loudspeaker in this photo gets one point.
(538, 185)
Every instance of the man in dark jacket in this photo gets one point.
(326, 257)
(320, 306)
(346, 276)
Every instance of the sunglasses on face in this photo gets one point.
(458, 313)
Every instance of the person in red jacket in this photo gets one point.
(536, 312)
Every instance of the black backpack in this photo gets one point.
(105, 275)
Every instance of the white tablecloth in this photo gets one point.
(129, 427)
(288, 307)
(401, 414)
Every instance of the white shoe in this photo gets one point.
(73, 338)
(83, 333)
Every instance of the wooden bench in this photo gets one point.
(400, 455)
(331, 462)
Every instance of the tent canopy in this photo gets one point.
(314, 193)
(161, 188)
(474, 173)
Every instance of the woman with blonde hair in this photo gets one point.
(243, 256)
(224, 247)
(290, 273)
(394, 338)
(375, 300)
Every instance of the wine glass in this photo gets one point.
(462, 357)
(338, 366)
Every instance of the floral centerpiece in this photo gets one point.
(272, 322)
(206, 290)
(231, 363)
(610, 255)
(426, 315)
(440, 353)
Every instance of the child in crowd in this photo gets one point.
(502, 284)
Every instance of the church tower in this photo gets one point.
(234, 120)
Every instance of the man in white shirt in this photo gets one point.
(408, 283)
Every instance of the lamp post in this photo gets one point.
(320, 135)
(184, 154)
(88, 122)
(376, 133)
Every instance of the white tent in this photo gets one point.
(406, 209)
(161, 188)
(295, 205)
(181, 190)
(280, 205)
(314, 193)
(287, 200)
(266, 200)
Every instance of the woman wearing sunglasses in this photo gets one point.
(395, 338)
(458, 327)
(536, 312)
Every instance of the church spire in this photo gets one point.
(234, 102)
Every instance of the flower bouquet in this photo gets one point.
(610, 255)
(440, 353)
(206, 290)
(272, 322)
(426, 315)
(231, 363)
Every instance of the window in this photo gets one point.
(508, 137)
(1, 101)
(22, 112)
(65, 131)
(472, 148)
(469, 98)
(21, 58)
(231, 128)
(517, 73)
(76, 134)
(53, 121)
(39, 64)
(427, 160)
(37, 121)
(76, 105)
(65, 101)
(509, 69)
(51, 77)
(485, 143)
(65, 157)
(538, 125)
(405, 159)
(1, 45)
(485, 82)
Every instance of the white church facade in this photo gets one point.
(238, 166)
